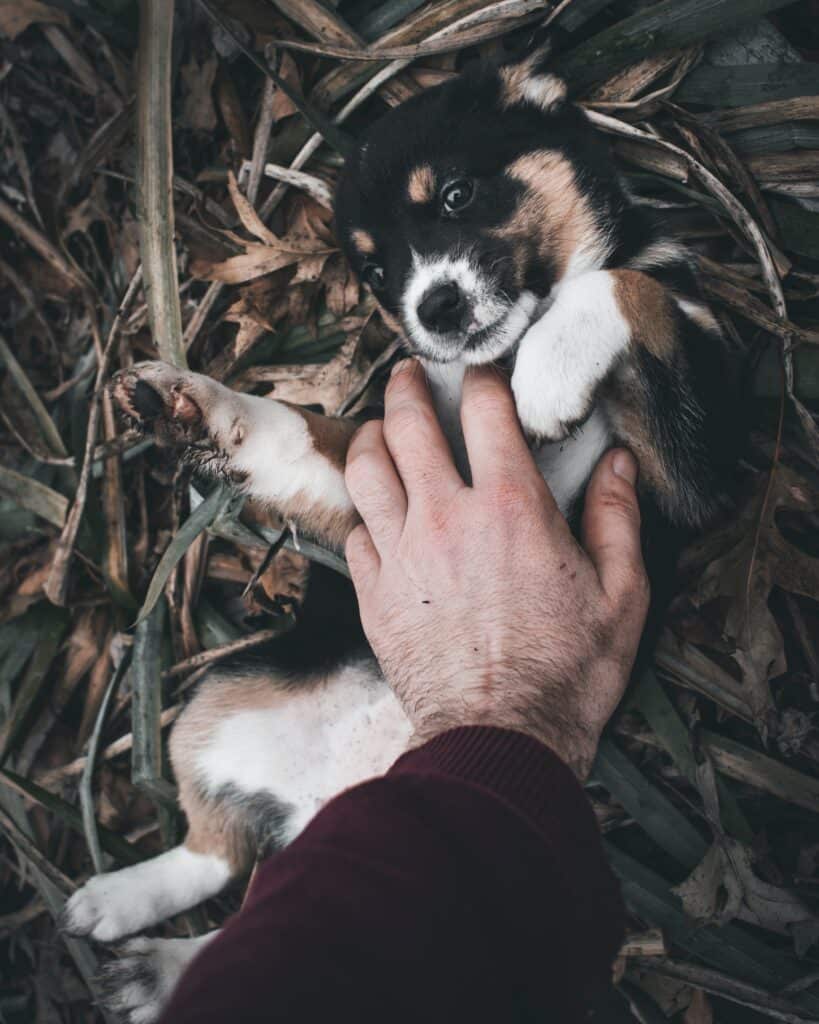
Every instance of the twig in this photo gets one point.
(117, 748)
(89, 820)
(737, 211)
(719, 984)
(45, 422)
(41, 245)
(154, 175)
(313, 186)
(474, 28)
(57, 584)
(329, 132)
(17, 838)
(215, 654)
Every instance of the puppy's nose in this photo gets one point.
(442, 309)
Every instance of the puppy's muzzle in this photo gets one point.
(443, 308)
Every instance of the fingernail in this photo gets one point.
(624, 465)
(400, 366)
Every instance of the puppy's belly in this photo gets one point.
(305, 749)
(567, 465)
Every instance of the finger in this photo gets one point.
(362, 558)
(415, 439)
(611, 529)
(495, 443)
(374, 486)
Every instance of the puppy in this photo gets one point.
(487, 219)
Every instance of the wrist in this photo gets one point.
(575, 745)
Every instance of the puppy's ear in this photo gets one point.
(528, 81)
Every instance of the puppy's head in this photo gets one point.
(462, 207)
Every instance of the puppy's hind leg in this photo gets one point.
(138, 984)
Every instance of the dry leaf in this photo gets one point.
(83, 649)
(254, 313)
(724, 886)
(32, 571)
(17, 15)
(198, 111)
(699, 1009)
(247, 213)
(274, 252)
(341, 285)
(230, 107)
(758, 558)
(326, 385)
(670, 994)
(283, 106)
(254, 262)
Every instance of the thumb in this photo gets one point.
(611, 527)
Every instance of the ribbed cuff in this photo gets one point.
(515, 767)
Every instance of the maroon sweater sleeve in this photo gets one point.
(468, 884)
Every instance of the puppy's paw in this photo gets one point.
(158, 399)
(547, 410)
(103, 909)
(139, 984)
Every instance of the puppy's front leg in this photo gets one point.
(568, 352)
(280, 455)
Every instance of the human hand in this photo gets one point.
(478, 602)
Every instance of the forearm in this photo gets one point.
(470, 875)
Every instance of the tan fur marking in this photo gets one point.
(421, 185)
(212, 828)
(553, 214)
(628, 421)
(331, 526)
(519, 84)
(363, 241)
(331, 434)
(647, 308)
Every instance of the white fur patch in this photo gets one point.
(566, 353)
(699, 313)
(544, 91)
(277, 452)
(310, 747)
(659, 254)
(567, 465)
(504, 321)
(146, 974)
(120, 903)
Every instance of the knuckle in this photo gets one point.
(488, 398)
(512, 494)
(621, 504)
(402, 383)
(508, 498)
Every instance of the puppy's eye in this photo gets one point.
(373, 275)
(457, 195)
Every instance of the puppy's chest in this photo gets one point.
(565, 466)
